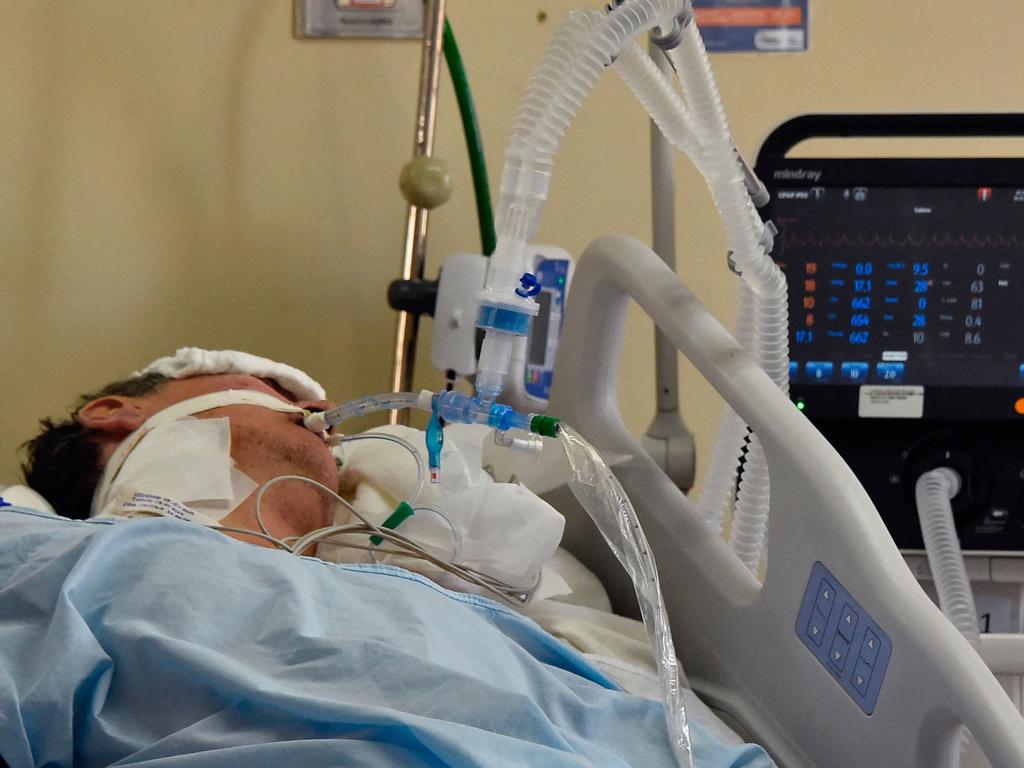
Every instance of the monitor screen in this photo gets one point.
(911, 285)
(539, 329)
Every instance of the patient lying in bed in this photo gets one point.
(138, 641)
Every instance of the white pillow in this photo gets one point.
(23, 496)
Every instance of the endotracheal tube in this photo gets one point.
(453, 407)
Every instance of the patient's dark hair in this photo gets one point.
(62, 462)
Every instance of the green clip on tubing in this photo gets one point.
(402, 512)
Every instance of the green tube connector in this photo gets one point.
(546, 426)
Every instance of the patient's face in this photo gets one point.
(264, 444)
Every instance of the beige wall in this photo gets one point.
(177, 172)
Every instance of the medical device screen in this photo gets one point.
(539, 331)
(918, 286)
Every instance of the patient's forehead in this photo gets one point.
(193, 386)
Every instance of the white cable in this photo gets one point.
(279, 543)
(421, 468)
(508, 592)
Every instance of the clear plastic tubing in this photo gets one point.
(657, 95)
(743, 227)
(388, 401)
(712, 153)
(451, 406)
(601, 495)
(562, 81)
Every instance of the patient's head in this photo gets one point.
(65, 461)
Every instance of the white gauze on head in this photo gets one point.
(178, 466)
(193, 361)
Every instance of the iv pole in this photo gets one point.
(414, 252)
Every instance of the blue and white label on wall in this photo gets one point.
(752, 25)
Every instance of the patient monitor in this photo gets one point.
(906, 280)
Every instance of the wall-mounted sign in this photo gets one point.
(752, 25)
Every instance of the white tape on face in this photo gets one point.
(174, 461)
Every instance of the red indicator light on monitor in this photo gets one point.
(1019, 406)
(984, 194)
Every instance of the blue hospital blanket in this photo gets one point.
(157, 642)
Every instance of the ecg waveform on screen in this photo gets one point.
(936, 241)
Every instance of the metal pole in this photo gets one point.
(663, 215)
(667, 440)
(414, 252)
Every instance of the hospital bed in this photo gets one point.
(744, 645)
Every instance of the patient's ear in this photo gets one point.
(115, 416)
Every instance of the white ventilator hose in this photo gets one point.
(562, 81)
(698, 127)
(723, 468)
(745, 234)
(933, 493)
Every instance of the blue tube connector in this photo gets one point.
(463, 409)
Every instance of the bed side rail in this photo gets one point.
(740, 641)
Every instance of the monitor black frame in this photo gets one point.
(778, 171)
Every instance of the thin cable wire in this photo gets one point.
(421, 469)
(309, 481)
(280, 543)
(410, 548)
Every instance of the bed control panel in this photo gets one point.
(841, 635)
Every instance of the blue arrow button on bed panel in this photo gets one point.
(816, 628)
(826, 599)
(847, 622)
(837, 653)
(848, 643)
(869, 647)
(861, 677)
